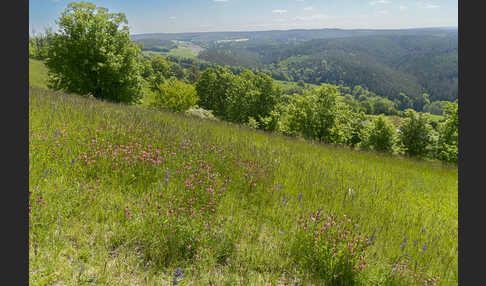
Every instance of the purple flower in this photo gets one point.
(178, 273)
(167, 177)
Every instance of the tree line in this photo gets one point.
(92, 54)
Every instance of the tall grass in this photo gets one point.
(124, 195)
(37, 73)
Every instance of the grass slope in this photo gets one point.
(121, 195)
(37, 73)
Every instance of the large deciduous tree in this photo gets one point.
(314, 113)
(92, 54)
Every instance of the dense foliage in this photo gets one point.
(174, 95)
(415, 134)
(39, 43)
(93, 54)
(314, 114)
(380, 137)
(386, 64)
(447, 144)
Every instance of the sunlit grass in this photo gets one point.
(37, 73)
(113, 193)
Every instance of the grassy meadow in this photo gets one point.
(125, 195)
(180, 51)
(37, 73)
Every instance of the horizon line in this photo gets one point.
(312, 29)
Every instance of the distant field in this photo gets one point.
(37, 73)
(183, 50)
(121, 195)
(186, 52)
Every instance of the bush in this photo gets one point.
(201, 113)
(174, 95)
(447, 143)
(380, 137)
(415, 134)
(252, 123)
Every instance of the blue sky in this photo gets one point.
(175, 16)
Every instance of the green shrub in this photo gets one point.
(447, 143)
(415, 134)
(174, 95)
(252, 123)
(380, 136)
(201, 113)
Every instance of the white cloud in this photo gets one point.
(319, 16)
(310, 8)
(424, 5)
(279, 11)
(220, 0)
(430, 6)
(172, 17)
(375, 2)
(300, 0)
(312, 17)
(403, 7)
(383, 12)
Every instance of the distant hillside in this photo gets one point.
(282, 35)
(385, 64)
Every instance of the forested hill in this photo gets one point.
(385, 64)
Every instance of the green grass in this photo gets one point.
(185, 52)
(113, 192)
(180, 51)
(37, 73)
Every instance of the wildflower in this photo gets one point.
(300, 197)
(167, 177)
(178, 273)
(351, 192)
(127, 213)
(372, 237)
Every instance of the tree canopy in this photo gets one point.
(92, 54)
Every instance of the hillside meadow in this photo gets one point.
(125, 195)
(37, 73)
